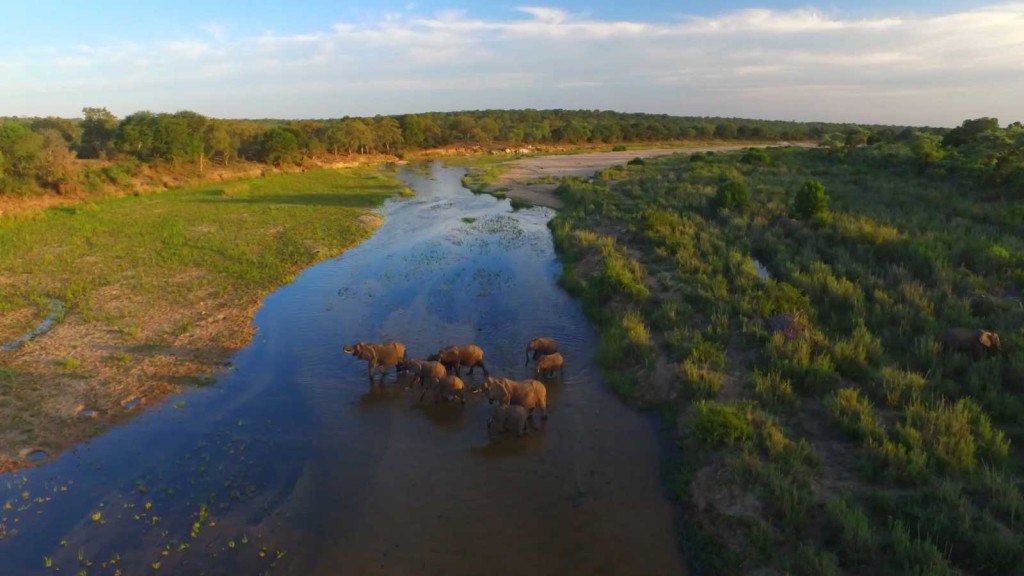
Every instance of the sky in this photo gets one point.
(904, 62)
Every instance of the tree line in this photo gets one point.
(39, 155)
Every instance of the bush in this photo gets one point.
(702, 381)
(618, 148)
(733, 195)
(811, 200)
(773, 390)
(852, 530)
(917, 555)
(855, 414)
(721, 425)
(638, 161)
(901, 386)
(810, 561)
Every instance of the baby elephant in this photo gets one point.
(377, 355)
(976, 342)
(549, 364)
(540, 347)
(507, 419)
(447, 387)
(455, 357)
(422, 371)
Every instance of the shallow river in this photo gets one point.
(293, 464)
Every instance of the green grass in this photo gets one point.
(218, 240)
(926, 443)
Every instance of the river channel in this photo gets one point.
(292, 463)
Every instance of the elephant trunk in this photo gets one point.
(527, 355)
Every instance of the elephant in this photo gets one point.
(455, 357)
(549, 364)
(511, 418)
(540, 347)
(977, 342)
(422, 371)
(378, 355)
(447, 387)
(530, 394)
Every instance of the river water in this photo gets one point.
(292, 463)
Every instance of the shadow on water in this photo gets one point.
(293, 464)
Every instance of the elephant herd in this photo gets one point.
(515, 400)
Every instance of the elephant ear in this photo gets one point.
(985, 338)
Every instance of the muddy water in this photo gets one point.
(293, 464)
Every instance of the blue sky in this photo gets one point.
(910, 62)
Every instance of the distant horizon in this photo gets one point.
(899, 63)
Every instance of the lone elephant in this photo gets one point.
(540, 347)
(380, 356)
(970, 340)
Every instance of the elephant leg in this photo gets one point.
(483, 367)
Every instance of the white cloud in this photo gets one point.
(806, 64)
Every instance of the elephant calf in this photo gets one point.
(511, 418)
(549, 364)
(422, 371)
(530, 394)
(378, 355)
(456, 356)
(446, 387)
(540, 347)
(971, 340)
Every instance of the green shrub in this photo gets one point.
(811, 200)
(810, 561)
(618, 148)
(701, 381)
(855, 414)
(733, 195)
(773, 389)
(953, 433)
(893, 462)
(900, 386)
(852, 530)
(638, 161)
(856, 356)
(722, 425)
(917, 556)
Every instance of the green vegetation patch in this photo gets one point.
(817, 406)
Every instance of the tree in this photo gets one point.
(927, 148)
(98, 130)
(811, 200)
(21, 153)
(389, 133)
(969, 130)
(356, 136)
(279, 146)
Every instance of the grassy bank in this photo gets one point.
(156, 289)
(839, 439)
